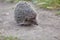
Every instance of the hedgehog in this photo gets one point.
(25, 15)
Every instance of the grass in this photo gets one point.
(58, 13)
(8, 38)
(50, 4)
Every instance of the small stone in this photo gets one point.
(7, 14)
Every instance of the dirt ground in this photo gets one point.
(48, 28)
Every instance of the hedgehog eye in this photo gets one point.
(26, 19)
